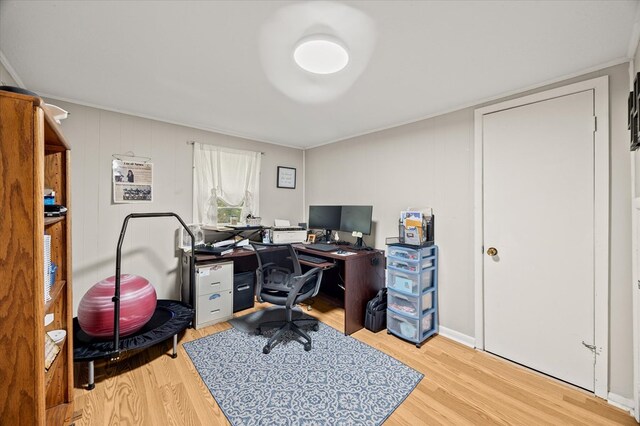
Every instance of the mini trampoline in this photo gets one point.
(170, 318)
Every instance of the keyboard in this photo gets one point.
(311, 259)
(323, 247)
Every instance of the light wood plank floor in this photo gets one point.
(461, 386)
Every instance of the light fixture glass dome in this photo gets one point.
(321, 56)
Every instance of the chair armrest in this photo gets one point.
(259, 281)
(301, 280)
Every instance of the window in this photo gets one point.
(226, 184)
(226, 212)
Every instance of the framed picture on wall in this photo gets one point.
(286, 177)
(633, 105)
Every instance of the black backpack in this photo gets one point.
(375, 318)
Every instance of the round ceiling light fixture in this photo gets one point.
(321, 55)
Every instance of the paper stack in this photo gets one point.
(413, 226)
(50, 351)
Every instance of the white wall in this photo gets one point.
(430, 163)
(94, 135)
(5, 78)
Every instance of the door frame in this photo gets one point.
(600, 86)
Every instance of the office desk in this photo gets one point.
(362, 273)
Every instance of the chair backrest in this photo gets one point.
(282, 255)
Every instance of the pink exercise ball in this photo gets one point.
(137, 305)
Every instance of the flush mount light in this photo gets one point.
(320, 56)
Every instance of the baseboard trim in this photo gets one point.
(457, 336)
(621, 402)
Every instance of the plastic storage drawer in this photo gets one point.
(410, 266)
(413, 330)
(404, 253)
(409, 305)
(410, 283)
(411, 259)
(403, 327)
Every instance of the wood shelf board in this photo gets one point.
(52, 134)
(51, 220)
(58, 288)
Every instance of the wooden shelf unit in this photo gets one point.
(35, 155)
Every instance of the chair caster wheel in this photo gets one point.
(174, 356)
(316, 327)
(388, 332)
(266, 350)
(307, 347)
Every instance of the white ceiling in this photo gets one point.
(227, 66)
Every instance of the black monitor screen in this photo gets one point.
(324, 217)
(356, 219)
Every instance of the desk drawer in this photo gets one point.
(214, 278)
(214, 307)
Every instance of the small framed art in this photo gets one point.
(286, 177)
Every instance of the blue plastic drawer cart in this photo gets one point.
(412, 284)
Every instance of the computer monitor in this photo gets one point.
(356, 219)
(325, 217)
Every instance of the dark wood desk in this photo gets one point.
(362, 273)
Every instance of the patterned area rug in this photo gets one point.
(341, 381)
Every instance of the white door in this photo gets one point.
(538, 198)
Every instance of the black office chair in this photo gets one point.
(281, 282)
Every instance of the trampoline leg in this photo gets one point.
(175, 346)
(91, 376)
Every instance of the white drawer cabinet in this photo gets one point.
(213, 298)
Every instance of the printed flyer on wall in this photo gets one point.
(132, 182)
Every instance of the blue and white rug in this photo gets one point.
(341, 381)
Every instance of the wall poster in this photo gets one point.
(132, 181)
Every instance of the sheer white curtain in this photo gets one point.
(228, 174)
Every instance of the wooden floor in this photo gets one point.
(461, 386)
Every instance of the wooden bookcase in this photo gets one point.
(33, 155)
